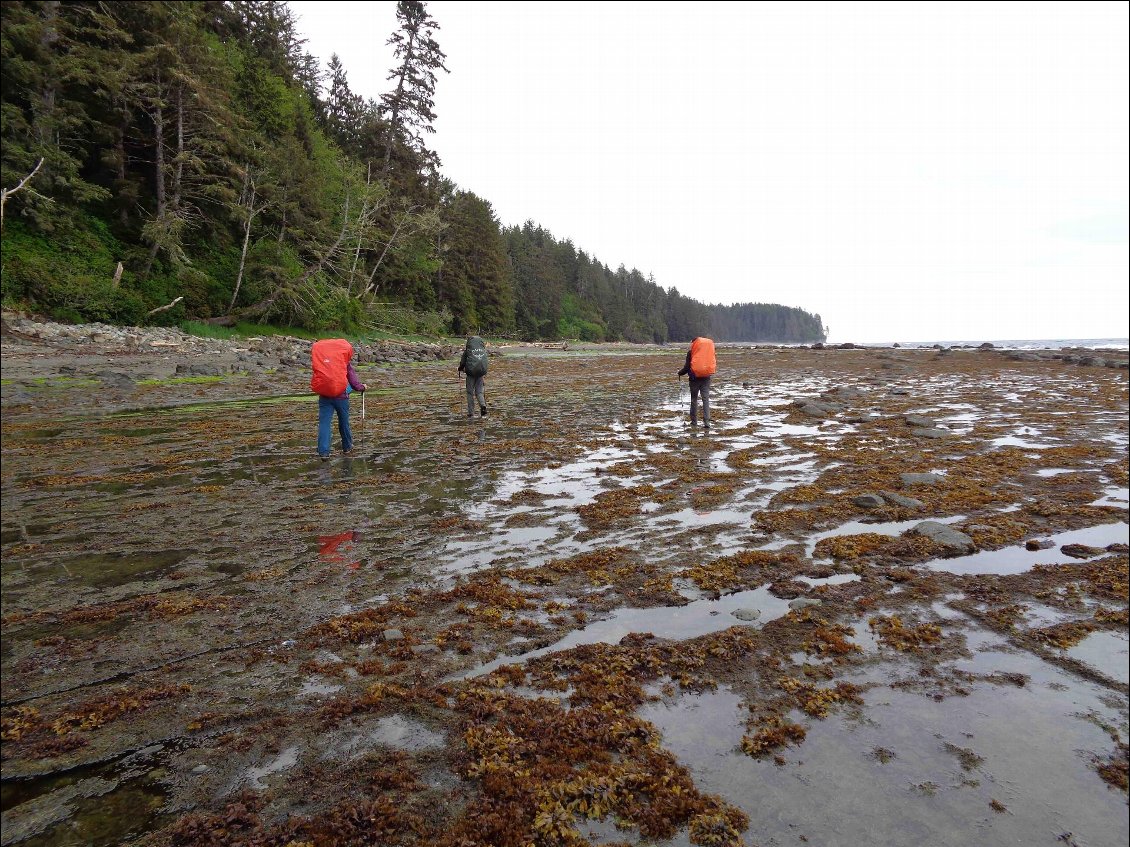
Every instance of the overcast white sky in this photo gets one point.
(911, 172)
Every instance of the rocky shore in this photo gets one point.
(122, 355)
(886, 579)
(117, 353)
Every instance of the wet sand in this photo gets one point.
(578, 620)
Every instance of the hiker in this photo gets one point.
(700, 366)
(474, 365)
(332, 381)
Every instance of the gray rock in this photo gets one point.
(816, 409)
(869, 501)
(199, 769)
(905, 502)
(803, 603)
(424, 649)
(955, 541)
(746, 614)
(986, 346)
(1081, 551)
(115, 380)
(932, 432)
(1039, 544)
(910, 479)
(900, 392)
(392, 635)
(919, 421)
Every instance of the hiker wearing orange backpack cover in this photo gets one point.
(333, 379)
(700, 367)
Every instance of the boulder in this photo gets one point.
(929, 432)
(1081, 551)
(905, 502)
(746, 614)
(1039, 544)
(919, 421)
(802, 603)
(869, 501)
(816, 409)
(986, 346)
(955, 542)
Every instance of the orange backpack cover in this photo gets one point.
(703, 363)
(330, 359)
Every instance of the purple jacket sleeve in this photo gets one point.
(354, 380)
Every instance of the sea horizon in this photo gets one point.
(1102, 343)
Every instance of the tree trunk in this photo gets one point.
(120, 155)
(360, 229)
(159, 161)
(246, 239)
(395, 117)
(179, 172)
(48, 93)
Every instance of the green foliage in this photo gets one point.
(69, 276)
(580, 320)
(193, 142)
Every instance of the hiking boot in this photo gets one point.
(350, 452)
(325, 457)
(482, 411)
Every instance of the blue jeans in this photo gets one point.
(326, 408)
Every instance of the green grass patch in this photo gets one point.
(181, 380)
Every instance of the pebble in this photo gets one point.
(392, 635)
(746, 614)
(199, 769)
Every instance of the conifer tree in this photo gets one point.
(408, 108)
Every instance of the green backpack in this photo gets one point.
(476, 357)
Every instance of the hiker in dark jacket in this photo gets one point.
(700, 366)
(473, 363)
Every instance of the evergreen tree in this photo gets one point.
(408, 108)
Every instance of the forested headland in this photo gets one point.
(165, 161)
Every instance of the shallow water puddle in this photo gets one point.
(288, 758)
(674, 622)
(925, 772)
(1106, 652)
(1013, 560)
(836, 579)
(1114, 497)
(108, 570)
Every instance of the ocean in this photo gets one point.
(1025, 343)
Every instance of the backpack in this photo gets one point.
(330, 360)
(476, 353)
(703, 363)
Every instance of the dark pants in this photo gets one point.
(475, 391)
(327, 406)
(700, 386)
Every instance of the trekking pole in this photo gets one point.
(362, 417)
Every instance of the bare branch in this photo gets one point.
(164, 308)
(6, 192)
